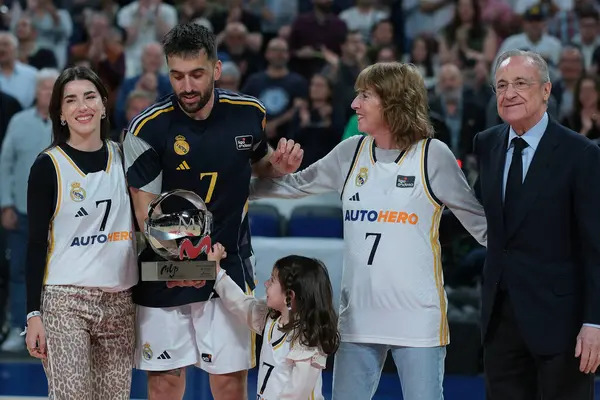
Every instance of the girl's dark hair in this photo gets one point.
(314, 320)
(61, 133)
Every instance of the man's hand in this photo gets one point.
(588, 348)
(287, 158)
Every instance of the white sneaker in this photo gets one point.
(14, 341)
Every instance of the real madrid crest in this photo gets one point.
(77, 192)
(147, 352)
(181, 147)
(361, 178)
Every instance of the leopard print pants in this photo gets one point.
(90, 341)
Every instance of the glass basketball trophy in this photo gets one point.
(179, 238)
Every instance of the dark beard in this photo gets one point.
(199, 105)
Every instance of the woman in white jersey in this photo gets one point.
(297, 321)
(394, 184)
(81, 260)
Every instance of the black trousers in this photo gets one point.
(512, 372)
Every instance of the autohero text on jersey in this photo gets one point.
(102, 238)
(382, 216)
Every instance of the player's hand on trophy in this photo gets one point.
(287, 158)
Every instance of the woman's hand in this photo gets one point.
(36, 338)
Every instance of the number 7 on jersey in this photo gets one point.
(375, 245)
(211, 185)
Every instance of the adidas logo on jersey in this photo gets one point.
(164, 356)
(356, 197)
(81, 213)
(183, 166)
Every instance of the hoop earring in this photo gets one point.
(104, 115)
(63, 122)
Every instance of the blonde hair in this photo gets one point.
(403, 97)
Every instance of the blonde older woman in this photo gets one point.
(394, 183)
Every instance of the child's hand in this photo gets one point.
(217, 253)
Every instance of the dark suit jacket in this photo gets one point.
(549, 252)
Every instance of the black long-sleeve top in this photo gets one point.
(41, 202)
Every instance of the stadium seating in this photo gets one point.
(316, 221)
(265, 220)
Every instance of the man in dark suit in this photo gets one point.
(540, 188)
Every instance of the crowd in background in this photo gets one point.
(300, 58)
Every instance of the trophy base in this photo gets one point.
(164, 271)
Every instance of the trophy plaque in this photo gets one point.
(179, 238)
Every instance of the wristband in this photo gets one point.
(33, 314)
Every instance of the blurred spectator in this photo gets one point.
(191, 10)
(230, 77)
(462, 116)
(137, 101)
(29, 133)
(585, 117)
(318, 127)
(104, 52)
(534, 37)
(570, 68)
(29, 50)
(145, 21)
(351, 128)
(234, 46)
(343, 70)
(9, 106)
(235, 12)
(16, 79)
(53, 26)
(588, 38)
(151, 79)
(362, 17)
(427, 16)
(467, 40)
(311, 33)
(382, 35)
(497, 14)
(275, 14)
(279, 90)
(387, 54)
(422, 55)
(480, 84)
(566, 24)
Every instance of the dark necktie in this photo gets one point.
(514, 182)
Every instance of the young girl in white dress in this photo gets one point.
(297, 321)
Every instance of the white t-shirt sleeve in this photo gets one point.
(248, 309)
(449, 185)
(324, 176)
(307, 365)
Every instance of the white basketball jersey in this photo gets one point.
(91, 237)
(392, 285)
(275, 370)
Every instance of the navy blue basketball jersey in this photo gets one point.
(165, 149)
